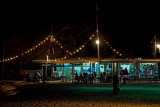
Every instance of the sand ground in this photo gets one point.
(55, 94)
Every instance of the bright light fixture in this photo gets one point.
(97, 41)
(158, 46)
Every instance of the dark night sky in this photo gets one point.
(128, 25)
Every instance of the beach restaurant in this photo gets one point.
(71, 66)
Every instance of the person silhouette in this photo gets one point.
(116, 89)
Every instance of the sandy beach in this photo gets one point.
(82, 95)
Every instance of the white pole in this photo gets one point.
(97, 38)
(97, 32)
(46, 65)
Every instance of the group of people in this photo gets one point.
(105, 77)
(33, 77)
(93, 77)
(137, 76)
(85, 78)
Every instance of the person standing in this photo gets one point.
(81, 78)
(145, 74)
(121, 76)
(77, 79)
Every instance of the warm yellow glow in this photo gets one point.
(47, 57)
(52, 39)
(158, 46)
(97, 42)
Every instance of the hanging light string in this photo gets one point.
(82, 59)
(52, 39)
(28, 51)
(68, 53)
(113, 49)
(80, 48)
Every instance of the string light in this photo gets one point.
(76, 50)
(28, 51)
(114, 50)
(52, 39)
